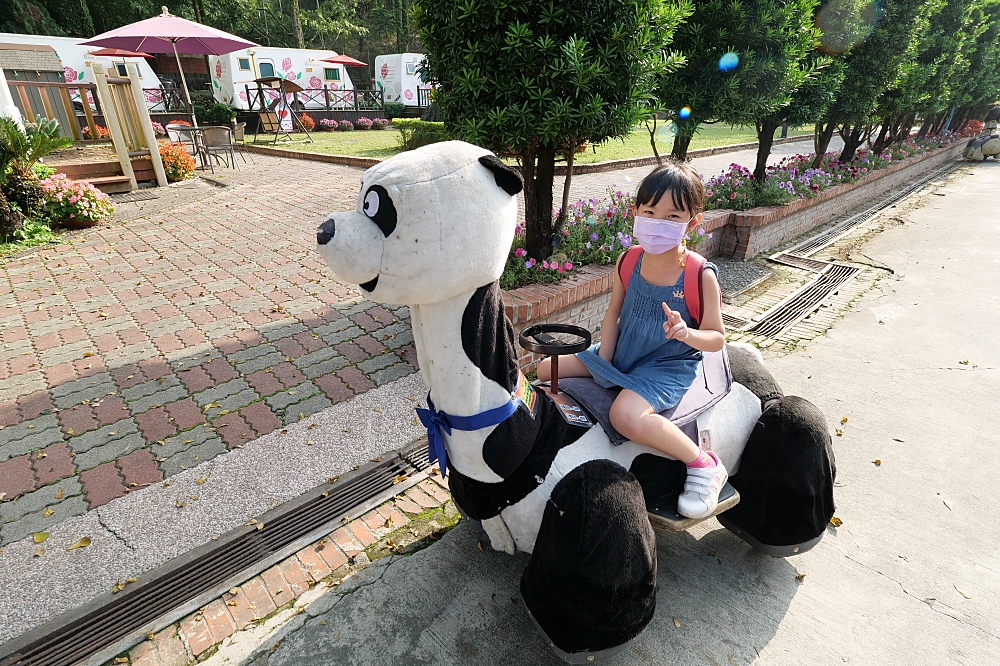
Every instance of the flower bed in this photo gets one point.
(74, 203)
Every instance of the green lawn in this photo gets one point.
(385, 143)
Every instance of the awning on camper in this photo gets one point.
(345, 60)
(119, 53)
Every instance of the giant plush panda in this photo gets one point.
(432, 230)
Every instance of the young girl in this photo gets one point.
(648, 344)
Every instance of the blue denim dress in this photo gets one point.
(645, 361)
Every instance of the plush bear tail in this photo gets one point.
(591, 581)
(785, 480)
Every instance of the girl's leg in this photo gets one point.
(569, 366)
(633, 417)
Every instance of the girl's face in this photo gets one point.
(666, 210)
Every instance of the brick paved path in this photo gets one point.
(135, 351)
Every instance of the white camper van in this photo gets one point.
(233, 72)
(397, 75)
(75, 58)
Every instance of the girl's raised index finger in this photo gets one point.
(666, 309)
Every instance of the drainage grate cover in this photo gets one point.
(797, 261)
(734, 323)
(110, 624)
(137, 195)
(786, 313)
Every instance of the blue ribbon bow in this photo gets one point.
(436, 422)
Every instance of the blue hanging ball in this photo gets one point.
(684, 112)
(728, 61)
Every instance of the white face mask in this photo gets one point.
(658, 236)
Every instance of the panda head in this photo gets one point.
(430, 224)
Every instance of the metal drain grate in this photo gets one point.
(101, 629)
(785, 314)
(137, 195)
(734, 323)
(813, 245)
(797, 261)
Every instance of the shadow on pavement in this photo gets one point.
(452, 604)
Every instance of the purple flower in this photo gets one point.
(593, 237)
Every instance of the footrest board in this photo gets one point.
(663, 514)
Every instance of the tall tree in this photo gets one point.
(535, 77)
(745, 58)
(297, 23)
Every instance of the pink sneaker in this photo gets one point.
(701, 489)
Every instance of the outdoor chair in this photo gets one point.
(270, 123)
(185, 135)
(216, 141)
(239, 141)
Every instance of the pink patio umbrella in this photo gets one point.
(167, 33)
(345, 60)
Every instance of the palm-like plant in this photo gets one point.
(19, 151)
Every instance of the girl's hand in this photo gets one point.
(675, 327)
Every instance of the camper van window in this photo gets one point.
(331, 73)
(411, 68)
(244, 64)
(122, 71)
(266, 69)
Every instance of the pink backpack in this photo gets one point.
(693, 268)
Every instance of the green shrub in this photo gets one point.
(394, 110)
(215, 114)
(415, 132)
(42, 171)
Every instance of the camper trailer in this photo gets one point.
(398, 76)
(234, 73)
(75, 58)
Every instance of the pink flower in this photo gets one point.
(708, 193)
(568, 266)
(733, 195)
(545, 263)
(520, 252)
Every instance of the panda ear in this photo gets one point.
(507, 177)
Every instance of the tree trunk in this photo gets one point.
(926, 125)
(853, 138)
(821, 141)
(537, 167)
(563, 212)
(680, 150)
(885, 135)
(939, 126)
(765, 139)
(652, 139)
(297, 23)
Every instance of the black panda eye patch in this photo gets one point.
(379, 207)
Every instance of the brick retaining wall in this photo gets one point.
(582, 300)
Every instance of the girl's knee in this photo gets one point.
(624, 418)
(544, 369)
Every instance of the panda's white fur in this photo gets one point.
(454, 229)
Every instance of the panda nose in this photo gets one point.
(325, 232)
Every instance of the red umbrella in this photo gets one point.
(167, 33)
(345, 60)
(119, 53)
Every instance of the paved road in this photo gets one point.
(153, 349)
(913, 574)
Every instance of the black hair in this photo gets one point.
(680, 179)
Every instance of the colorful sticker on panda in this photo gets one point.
(524, 394)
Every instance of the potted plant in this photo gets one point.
(75, 204)
(346, 126)
(327, 124)
(363, 123)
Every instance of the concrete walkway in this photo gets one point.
(910, 377)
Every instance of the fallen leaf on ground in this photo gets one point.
(87, 354)
(840, 432)
(898, 439)
(40, 552)
(947, 503)
(836, 522)
(801, 578)
(712, 553)
(180, 504)
(399, 478)
(201, 481)
(234, 591)
(60, 494)
(48, 512)
(333, 479)
(963, 592)
(843, 420)
(260, 526)
(231, 602)
(40, 536)
(121, 660)
(965, 362)
(677, 623)
(325, 493)
(323, 622)
(877, 462)
(479, 545)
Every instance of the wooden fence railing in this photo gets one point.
(260, 98)
(57, 100)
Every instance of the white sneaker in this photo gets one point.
(701, 489)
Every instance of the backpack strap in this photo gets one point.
(694, 297)
(627, 265)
